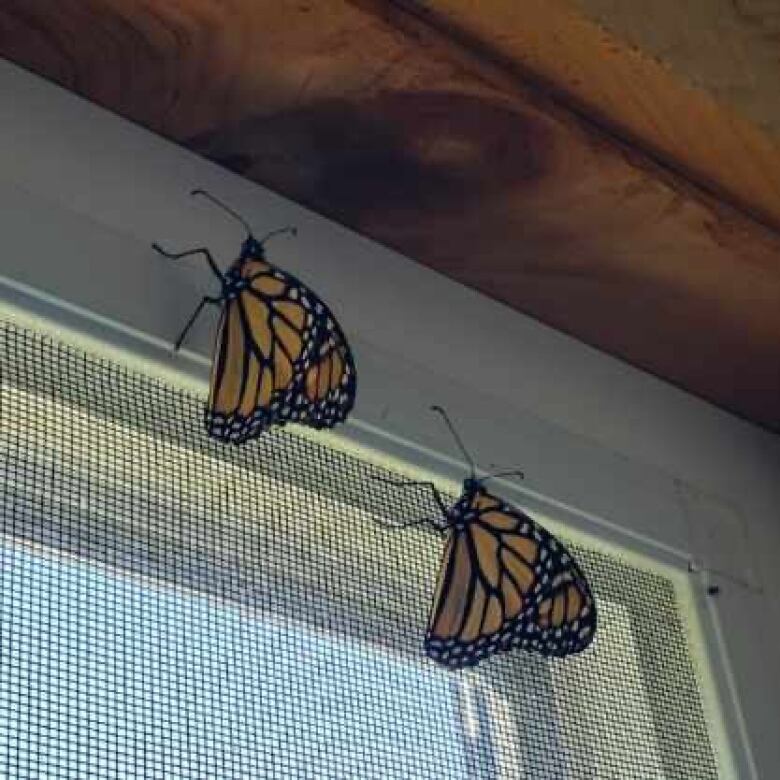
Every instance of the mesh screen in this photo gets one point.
(175, 608)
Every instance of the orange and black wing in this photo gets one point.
(270, 335)
(329, 380)
(505, 582)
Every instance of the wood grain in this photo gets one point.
(696, 131)
(380, 121)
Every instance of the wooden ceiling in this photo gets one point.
(563, 156)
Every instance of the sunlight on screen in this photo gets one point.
(623, 734)
(100, 673)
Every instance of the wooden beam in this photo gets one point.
(434, 145)
(623, 89)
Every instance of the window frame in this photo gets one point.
(188, 371)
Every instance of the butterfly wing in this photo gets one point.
(271, 333)
(330, 379)
(563, 620)
(505, 582)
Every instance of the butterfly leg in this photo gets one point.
(405, 482)
(191, 321)
(408, 524)
(191, 253)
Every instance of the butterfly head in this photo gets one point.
(472, 485)
(252, 249)
(255, 248)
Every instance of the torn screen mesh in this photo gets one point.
(171, 607)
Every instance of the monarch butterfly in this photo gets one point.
(504, 582)
(280, 354)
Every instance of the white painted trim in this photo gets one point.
(97, 334)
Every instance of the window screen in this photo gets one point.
(175, 608)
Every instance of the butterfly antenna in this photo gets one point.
(293, 231)
(457, 438)
(217, 202)
(514, 473)
(407, 482)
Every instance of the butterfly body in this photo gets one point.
(234, 283)
(504, 583)
(462, 512)
(238, 276)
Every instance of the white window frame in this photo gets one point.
(100, 336)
